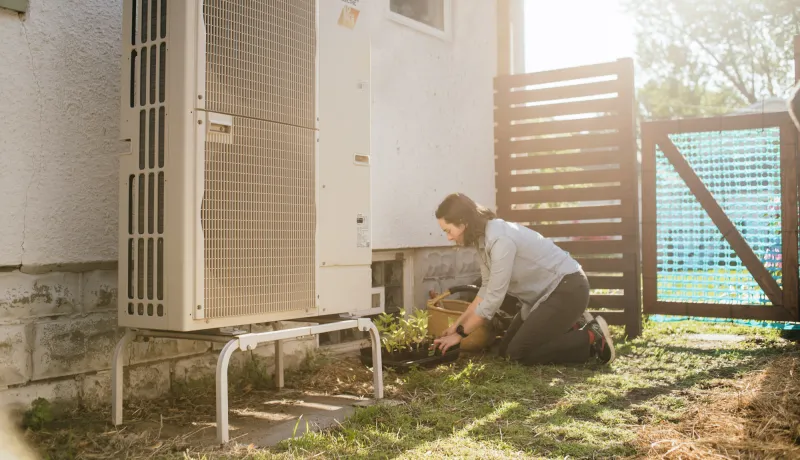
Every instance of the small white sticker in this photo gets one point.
(362, 231)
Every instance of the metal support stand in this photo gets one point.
(243, 342)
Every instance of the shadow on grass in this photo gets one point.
(486, 403)
(587, 420)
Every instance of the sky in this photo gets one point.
(567, 33)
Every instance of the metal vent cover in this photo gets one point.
(258, 220)
(258, 212)
(260, 59)
(145, 200)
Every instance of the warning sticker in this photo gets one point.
(362, 231)
(348, 17)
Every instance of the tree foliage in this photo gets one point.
(700, 58)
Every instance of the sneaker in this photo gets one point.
(603, 345)
(585, 319)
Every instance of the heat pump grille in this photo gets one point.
(145, 287)
(258, 220)
(260, 59)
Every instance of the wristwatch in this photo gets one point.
(460, 331)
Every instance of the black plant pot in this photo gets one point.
(404, 360)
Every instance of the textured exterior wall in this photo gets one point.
(433, 122)
(59, 100)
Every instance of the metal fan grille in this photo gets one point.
(258, 209)
(258, 220)
(260, 59)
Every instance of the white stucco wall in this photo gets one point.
(59, 80)
(59, 83)
(433, 118)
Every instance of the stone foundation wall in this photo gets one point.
(439, 269)
(58, 331)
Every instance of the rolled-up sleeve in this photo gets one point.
(494, 288)
(484, 277)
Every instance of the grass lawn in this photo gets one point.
(650, 402)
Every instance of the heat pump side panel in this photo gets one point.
(344, 212)
(158, 244)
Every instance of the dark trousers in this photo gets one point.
(544, 337)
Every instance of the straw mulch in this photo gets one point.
(757, 417)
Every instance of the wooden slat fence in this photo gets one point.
(566, 166)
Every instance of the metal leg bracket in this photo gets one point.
(243, 342)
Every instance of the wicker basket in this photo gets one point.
(444, 312)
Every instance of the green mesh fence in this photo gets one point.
(741, 169)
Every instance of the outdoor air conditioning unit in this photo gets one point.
(245, 197)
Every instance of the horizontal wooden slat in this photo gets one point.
(607, 282)
(567, 230)
(505, 82)
(555, 144)
(759, 312)
(600, 176)
(535, 216)
(596, 247)
(564, 160)
(508, 114)
(626, 265)
(614, 302)
(557, 93)
(542, 128)
(724, 123)
(566, 195)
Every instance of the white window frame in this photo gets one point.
(446, 34)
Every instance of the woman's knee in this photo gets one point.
(514, 352)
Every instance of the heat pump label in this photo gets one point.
(362, 233)
(348, 16)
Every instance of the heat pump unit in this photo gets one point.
(245, 197)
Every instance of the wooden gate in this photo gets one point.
(720, 217)
(566, 166)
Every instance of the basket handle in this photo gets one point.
(451, 291)
(464, 288)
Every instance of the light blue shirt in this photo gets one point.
(521, 262)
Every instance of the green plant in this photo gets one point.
(40, 414)
(403, 332)
(417, 327)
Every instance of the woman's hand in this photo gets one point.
(444, 343)
(450, 330)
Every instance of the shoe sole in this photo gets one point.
(607, 335)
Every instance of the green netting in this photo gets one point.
(742, 171)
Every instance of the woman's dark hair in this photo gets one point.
(458, 209)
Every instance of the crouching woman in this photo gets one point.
(552, 325)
